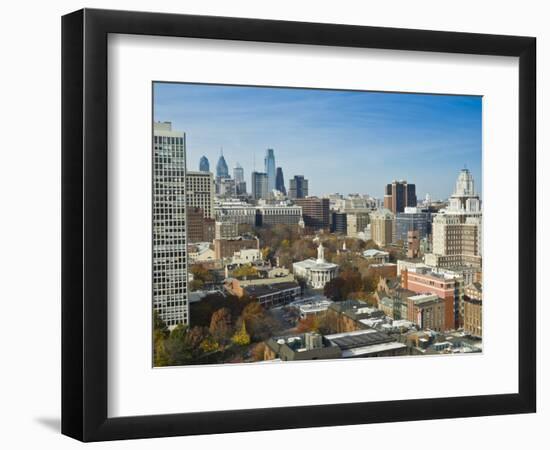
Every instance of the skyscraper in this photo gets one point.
(298, 187)
(398, 195)
(238, 173)
(259, 185)
(222, 170)
(269, 163)
(280, 181)
(169, 225)
(464, 199)
(204, 164)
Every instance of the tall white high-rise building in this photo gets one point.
(464, 199)
(169, 225)
(457, 230)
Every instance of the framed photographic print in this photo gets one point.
(273, 224)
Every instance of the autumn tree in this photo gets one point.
(200, 272)
(246, 270)
(308, 324)
(258, 323)
(241, 337)
(257, 352)
(220, 325)
(160, 333)
(335, 289)
(328, 323)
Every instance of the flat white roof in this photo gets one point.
(372, 349)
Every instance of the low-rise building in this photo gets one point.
(386, 270)
(272, 295)
(312, 306)
(367, 344)
(376, 256)
(246, 256)
(300, 347)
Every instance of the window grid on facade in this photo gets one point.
(169, 226)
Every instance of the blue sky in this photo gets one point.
(342, 141)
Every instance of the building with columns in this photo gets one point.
(316, 272)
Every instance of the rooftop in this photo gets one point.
(267, 289)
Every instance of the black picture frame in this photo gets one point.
(84, 224)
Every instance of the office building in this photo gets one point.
(199, 228)
(170, 299)
(204, 164)
(338, 223)
(316, 212)
(259, 185)
(235, 211)
(227, 188)
(398, 195)
(427, 311)
(356, 223)
(298, 187)
(447, 285)
(382, 227)
(455, 243)
(200, 192)
(412, 219)
(280, 181)
(267, 215)
(226, 230)
(269, 168)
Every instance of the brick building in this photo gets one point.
(446, 286)
(225, 248)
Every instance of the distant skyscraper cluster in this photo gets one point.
(268, 184)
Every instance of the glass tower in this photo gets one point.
(204, 164)
(269, 163)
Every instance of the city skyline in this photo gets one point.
(418, 137)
